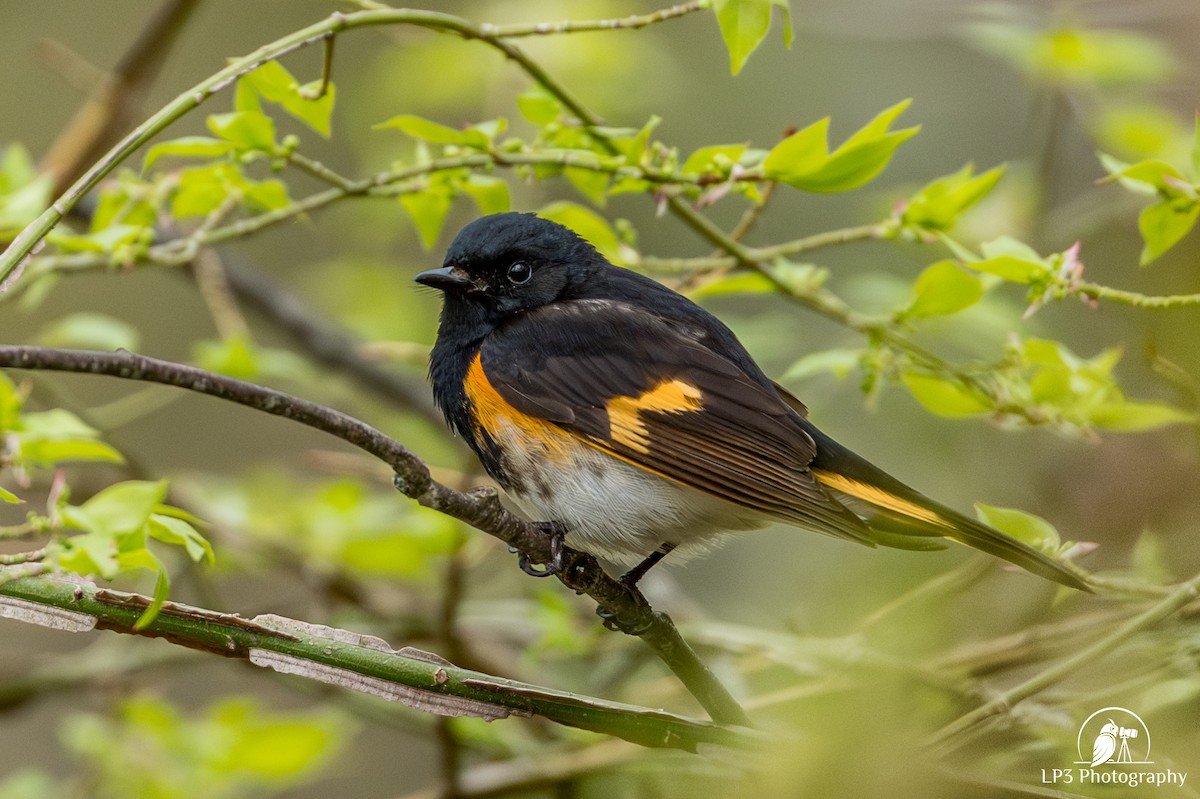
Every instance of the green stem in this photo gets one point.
(1178, 599)
(15, 256)
(313, 651)
(1097, 292)
(582, 26)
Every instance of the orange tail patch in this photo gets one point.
(879, 497)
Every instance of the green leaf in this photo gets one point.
(437, 133)
(943, 396)
(803, 160)
(275, 84)
(245, 130)
(235, 356)
(9, 497)
(94, 331)
(1025, 527)
(267, 195)
(588, 224)
(1012, 260)
(938, 205)
(837, 362)
(121, 508)
(943, 288)
(142, 558)
(1127, 416)
(23, 192)
(735, 283)
(489, 193)
(10, 404)
(276, 749)
(715, 159)
(51, 452)
(428, 210)
(56, 423)
(539, 106)
(91, 553)
(187, 147)
(744, 24)
(591, 183)
(1152, 172)
(172, 530)
(785, 8)
(203, 189)
(1164, 224)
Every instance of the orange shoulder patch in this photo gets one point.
(504, 424)
(625, 425)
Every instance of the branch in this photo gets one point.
(626, 608)
(13, 258)
(118, 96)
(1088, 655)
(361, 663)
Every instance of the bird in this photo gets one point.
(1105, 744)
(632, 424)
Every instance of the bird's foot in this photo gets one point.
(557, 551)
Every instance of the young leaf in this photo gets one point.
(538, 106)
(1128, 416)
(489, 193)
(428, 210)
(938, 205)
(1163, 224)
(1025, 527)
(93, 331)
(1012, 260)
(744, 24)
(9, 497)
(714, 159)
(275, 84)
(943, 288)
(121, 508)
(187, 147)
(803, 159)
(172, 530)
(245, 130)
(588, 224)
(943, 396)
(837, 362)
(437, 133)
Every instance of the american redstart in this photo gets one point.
(630, 420)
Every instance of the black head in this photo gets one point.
(503, 264)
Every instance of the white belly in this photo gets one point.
(622, 513)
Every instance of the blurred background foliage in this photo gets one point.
(851, 658)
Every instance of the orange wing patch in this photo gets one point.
(625, 425)
(494, 416)
(877, 496)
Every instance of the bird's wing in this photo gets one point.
(645, 390)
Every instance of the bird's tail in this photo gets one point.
(902, 517)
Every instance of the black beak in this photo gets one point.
(448, 278)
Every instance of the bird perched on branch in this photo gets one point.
(628, 419)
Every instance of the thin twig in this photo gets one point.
(1088, 655)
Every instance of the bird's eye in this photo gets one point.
(519, 273)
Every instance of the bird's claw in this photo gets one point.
(557, 553)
